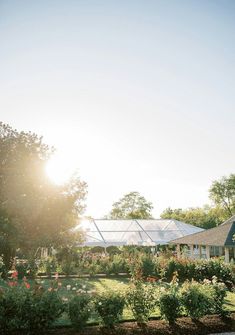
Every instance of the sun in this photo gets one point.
(60, 169)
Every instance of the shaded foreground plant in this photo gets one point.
(141, 300)
(79, 310)
(169, 302)
(109, 306)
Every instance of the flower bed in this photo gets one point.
(29, 307)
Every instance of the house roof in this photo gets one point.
(218, 236)
(133, 232)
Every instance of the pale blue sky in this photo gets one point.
(139, 95)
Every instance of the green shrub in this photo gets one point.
(113, 250)
(141, 299)
(109, 306)
(117, 264)
(197, 299)
(68, 267)
(48, 266)
(219, 294)
(3, 269)
(24, 309)
(79, 310)
(169, 302)
(148, 266)
(21, 269)
(215, 267)
(46, 307)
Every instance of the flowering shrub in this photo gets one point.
(141, 299)
(109, 306)
(169, 302)
(79, 310)
(48, 266)
(22, 308)
(197, 299)
(215, 267)
(21, 269)
(219, 293)
(3, 269)
(117, 264)
(185, 269)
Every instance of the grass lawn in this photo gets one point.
(99, 285)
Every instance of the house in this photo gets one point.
(218, 241)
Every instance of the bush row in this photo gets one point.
(138, 265)
(33, 310)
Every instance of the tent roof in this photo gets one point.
(133, 232)
(218, 236)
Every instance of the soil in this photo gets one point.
(184, 326)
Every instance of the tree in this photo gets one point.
(7, 238)
(205, 217)
(40, 212)
(222, 193)
(131, 206)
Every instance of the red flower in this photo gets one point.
(14, 274)
(27, 285)
(12, 283)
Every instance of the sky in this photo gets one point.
(136, 95)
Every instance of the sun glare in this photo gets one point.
(59, 169)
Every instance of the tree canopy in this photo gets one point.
(205, 217)
(222, 193)
(131, 206)
(40, 212)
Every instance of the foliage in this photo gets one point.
(109, 306)
(48, 266)
(169, 302)
(30, 310)
(131, 206)
(205, 217)
(222, 192)
(21, 269)
(40, 212)
(112, 250)
(184, 268)
(219, 295)
(79, 310)
(141, 300)
(215, 267)
(197, 299)
(7, 238)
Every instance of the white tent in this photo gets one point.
(133, 232)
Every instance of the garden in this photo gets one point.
(127, 290)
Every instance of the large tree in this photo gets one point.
(131, 206)
(40, 212)
(222, 193)
(205, 217)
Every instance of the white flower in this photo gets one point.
(83, 286)
(74, 288)
(100, 303)
(68, 287)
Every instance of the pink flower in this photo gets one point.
(27, 285)
(14, 274)
(12, 283)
